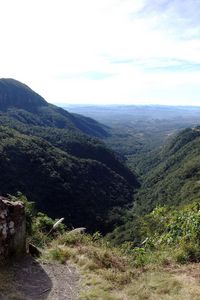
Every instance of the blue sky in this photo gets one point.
(104, 51)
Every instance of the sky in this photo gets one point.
(103, 51)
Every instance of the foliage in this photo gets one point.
(154, 235)
(42, 229)
(59, 184)
(168, 226)
(54, 158)
(39, 227)
(60, 254)
(173, 173)
(137, 131)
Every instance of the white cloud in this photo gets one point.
(50, 45)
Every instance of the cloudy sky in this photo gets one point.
(103, 51)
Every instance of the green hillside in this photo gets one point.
(19, 103)
(172, 174)
(171, 178)
(55, 159)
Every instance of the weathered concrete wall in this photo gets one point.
(12, 229)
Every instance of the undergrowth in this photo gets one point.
(109, 272)
(169, 238)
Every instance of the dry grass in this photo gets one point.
(107, 275)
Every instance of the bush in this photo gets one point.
(188, 252)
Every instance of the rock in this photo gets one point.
(33, 250)
(12, 229)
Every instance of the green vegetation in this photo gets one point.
(172, 174)
(59, 183)
(166, 234)
(138, 130)
(152, 271)
(155, 269)
(54, 158)
(137, 247)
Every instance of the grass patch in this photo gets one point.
(60, 254)
(111, 273)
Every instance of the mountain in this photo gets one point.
(19, 102)
(173, 173)
(56, 160)
(137, 130)
(170, 188)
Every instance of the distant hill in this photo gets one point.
(121, 114)
(55, 158)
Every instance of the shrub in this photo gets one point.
(188, 252)
(74, 238)
(60, 254)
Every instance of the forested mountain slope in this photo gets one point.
(19, 102)
(54, 158)
(170, 184)
(138, 130)
(173, 173)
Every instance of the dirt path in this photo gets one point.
(27, 279)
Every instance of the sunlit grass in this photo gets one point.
(106, 273)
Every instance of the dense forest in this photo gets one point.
(131, 177)
(162, 145)
(75, 167)
(56, 160)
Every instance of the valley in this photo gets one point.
(56, 159)
(161, 145)
(130, 175)
(137, 130)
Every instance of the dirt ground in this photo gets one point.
(30, 280)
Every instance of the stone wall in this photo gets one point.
(12, 229)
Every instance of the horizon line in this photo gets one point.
(118, 104)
